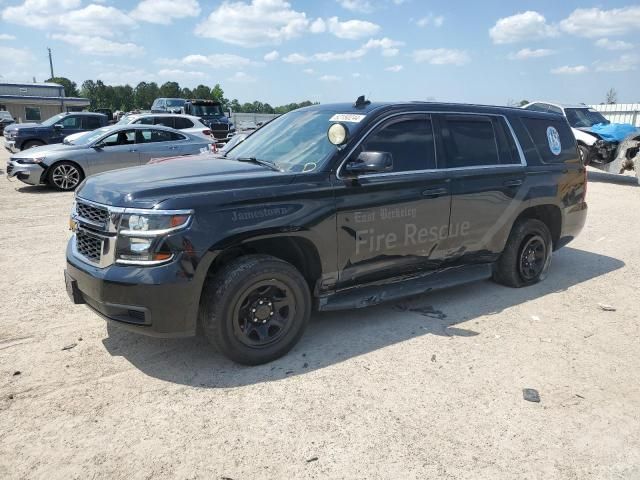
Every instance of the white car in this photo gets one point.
(186, 123)
(610, 155)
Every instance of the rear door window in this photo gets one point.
(553, 139)
(154, 136)
(470, 141)
(144, 121)
(166, 121)
(91, 123)
(181, 123)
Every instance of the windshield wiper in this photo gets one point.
(257, 161)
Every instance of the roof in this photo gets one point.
(559, 105)
(39, 97)
(439, 106)
(32, 84)
(180, 115)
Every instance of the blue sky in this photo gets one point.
(281, 51)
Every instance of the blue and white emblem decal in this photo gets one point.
(553, 137)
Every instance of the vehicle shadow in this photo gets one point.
(333, 337)
(37, 189)
(605, 177)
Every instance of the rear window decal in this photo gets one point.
(553, 137)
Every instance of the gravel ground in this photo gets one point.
(428, 387)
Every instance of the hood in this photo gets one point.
(19, 126)
(45, 150)
(612, 132)
(148, 185)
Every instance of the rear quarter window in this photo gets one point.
(552, 138)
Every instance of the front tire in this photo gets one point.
(527, 255)
(255, 309)
(64, 176)
(32, 144)
(584, 154)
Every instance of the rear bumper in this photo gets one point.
(157, 301)
(573, 222)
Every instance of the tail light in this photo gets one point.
(214, 148)
(207, 132)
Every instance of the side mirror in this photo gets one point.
(229, 113)
(58, 126)
(98, 146)
(370, 162)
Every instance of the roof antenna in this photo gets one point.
(361, 102)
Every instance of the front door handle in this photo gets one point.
(133, 150)
(173, 147)
(435, 192)
(513, 183)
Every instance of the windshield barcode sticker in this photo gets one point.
(347, 117)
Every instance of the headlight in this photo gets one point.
(142, 233)
(30, 161)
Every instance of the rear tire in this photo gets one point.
(255, 309)
(527, 255)
(64, 176)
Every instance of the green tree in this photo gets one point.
(170, 90)
(88, 90)
(186, 93)
(70, 88)
(235, 105)
(217, 94)
(202, 92)
(144, 94)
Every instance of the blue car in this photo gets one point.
(21, 136)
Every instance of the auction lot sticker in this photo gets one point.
(347, 117)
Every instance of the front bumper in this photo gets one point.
(10, 145)
(160, 301)
(30, 174)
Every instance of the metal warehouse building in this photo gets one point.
(33, 102)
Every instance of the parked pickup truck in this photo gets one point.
(21, 136)
(328, 207)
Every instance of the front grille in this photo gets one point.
(94, 215)
(89, 246)
(220, 127)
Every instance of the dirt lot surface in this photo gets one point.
(418, 389)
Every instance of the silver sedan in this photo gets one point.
(64, 166)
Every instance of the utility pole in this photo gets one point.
(50, 62)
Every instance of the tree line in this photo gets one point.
(140, 97)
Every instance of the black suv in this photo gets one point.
(327, 207)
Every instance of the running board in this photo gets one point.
(368, 295)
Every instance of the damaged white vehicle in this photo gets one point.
(603, 145)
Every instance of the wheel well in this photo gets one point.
(32, 140)
(548, 214)
(45, 173)
(299, 252)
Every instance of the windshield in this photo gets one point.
(584, 117)
(90, 137)
(5, 114)
(53, 120)
(175, 102)
(207, 110)
(295, 142)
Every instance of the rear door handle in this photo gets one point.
(133, 150)
(435, 192)
(513, 183)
